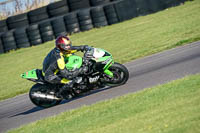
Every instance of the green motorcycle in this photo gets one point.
(103, 72)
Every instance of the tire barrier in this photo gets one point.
(46, 31)
(58, 26)
(71, 23)
(125, 10)
(46, 23)
(98, 2)
(111, 14)
(78, 4)
(38, 15)
(85, 20)
(58, 8)
(98, 17)
(33, 34)
(1, 46)
(155, 5)
(17, 21)
(170, 3)
(21, 38)
(3, 26)
(142, 7)
(8, 41)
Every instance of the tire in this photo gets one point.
(113, 21)
(141, 7)
(1, 46)
(45, 29)
(17, 18)
(97, 12)
(9, 46)
(78, 4)
(100, 24)
(46, 34)
(86, 22)
(3, 23)
(47, 38)
(59, 11)
(59, 29)
(56, 5)
(125, 10)
(23, 45)
(21, 40)
(18, 24)
(32, 27)
(58, 25)
(60, 34)
(38, 11)
(84, 15)
(99, 2)
(86, 27)
(41, 102)
(70, 16)
(36, 42)
(73, 28)
(38, 18)
(111, 14)
(121, 75)
(3, 29)
(33, 33)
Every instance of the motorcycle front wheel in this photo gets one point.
(41, 96)
(120, 75)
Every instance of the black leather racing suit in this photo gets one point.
(54, 62)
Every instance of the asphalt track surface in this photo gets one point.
(146, 72)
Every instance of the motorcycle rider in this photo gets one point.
(54, 70)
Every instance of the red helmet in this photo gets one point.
(63, 43)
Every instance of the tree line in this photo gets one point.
(14, 7)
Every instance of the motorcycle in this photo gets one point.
(103, 72)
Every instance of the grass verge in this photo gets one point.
(169, 108)
(127, 41)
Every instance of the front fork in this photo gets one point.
(106, 68)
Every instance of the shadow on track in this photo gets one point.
(36, 109)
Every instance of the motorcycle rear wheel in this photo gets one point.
(44, 102)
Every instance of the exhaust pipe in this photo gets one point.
(40, 95)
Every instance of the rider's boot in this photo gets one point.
(64, 91)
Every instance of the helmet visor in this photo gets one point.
(65, 46)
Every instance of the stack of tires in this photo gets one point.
(17, 21)
(98, 2)
(58, 26)
(3, 26)
(111, 14)
(125, 9)
(46, 31)
(58, 8)
(33, 33)
(78, 4)
(38, 15)
(21, 38)
(8, 41)
(1, 46)
(170, 3)
(155, 5)
(85, 20)
(71, 23)
(142, 7)
(98, 17)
